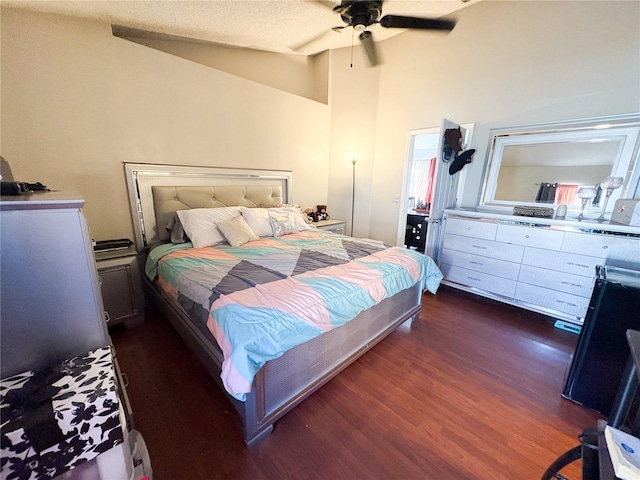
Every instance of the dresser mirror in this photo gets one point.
(553, 164)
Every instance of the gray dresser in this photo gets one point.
(52, 312)
(51, 303)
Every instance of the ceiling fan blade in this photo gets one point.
(366, 38)
(327, 4)
(398, 21)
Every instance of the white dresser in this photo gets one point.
(544, 265)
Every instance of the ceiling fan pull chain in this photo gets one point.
(352, 33)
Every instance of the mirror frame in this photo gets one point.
(626, 163)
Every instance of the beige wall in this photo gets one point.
(353, 94)
(505, 63)
(297, 74)
(78, 102)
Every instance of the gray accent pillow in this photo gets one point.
(174, 227)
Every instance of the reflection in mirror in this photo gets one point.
(526, 169)
(550, 163)
(422, 164)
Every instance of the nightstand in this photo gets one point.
(335, 226)
(121, 286)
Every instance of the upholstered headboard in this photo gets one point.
(168, 200)
(156, 192)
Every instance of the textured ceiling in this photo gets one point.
(285, 26)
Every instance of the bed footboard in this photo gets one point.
(286, 381)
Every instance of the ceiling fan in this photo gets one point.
(361, 14)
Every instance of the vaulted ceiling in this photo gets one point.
(284, 26)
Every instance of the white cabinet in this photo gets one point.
(572, 263)
(484, 264)
(531, 237)
(484, 248)
(556, 280)
(479, 280)
(558, 304)
(542, 265)
(475, 229)
(614, 247)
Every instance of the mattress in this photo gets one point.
(267, 296)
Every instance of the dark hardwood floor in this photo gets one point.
(472, 390)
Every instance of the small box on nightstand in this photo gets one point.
(121, 286)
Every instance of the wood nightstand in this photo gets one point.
(335, 226)
(121, 286)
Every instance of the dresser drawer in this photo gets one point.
(554, 280)
(566, 303)
(479, 280)
(562, 261)
(478, 263)
(486, 248)
(471, 228)
(530, 236)
(615, 247)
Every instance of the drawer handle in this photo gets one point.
(107, 318)
(479, 246)
(125, 380)
(581, 265)
(474, 279)
(526, 236)
(475, 263)
(572, 284)
(566, 303)
(604, 247)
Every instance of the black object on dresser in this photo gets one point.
(602, 351)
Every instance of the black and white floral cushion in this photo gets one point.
(56, 418)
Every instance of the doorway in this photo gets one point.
(422, 158)
(428, 187)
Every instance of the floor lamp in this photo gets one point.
(353, 189)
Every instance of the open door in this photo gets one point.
(422, 153)
(433, 185)
(445, 189)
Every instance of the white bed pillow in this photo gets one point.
(200, 224)
(258, 219)
(237, 231)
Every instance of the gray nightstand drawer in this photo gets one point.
(121, 287)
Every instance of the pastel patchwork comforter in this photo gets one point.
(268, 296)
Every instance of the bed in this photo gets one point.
(274, 318)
